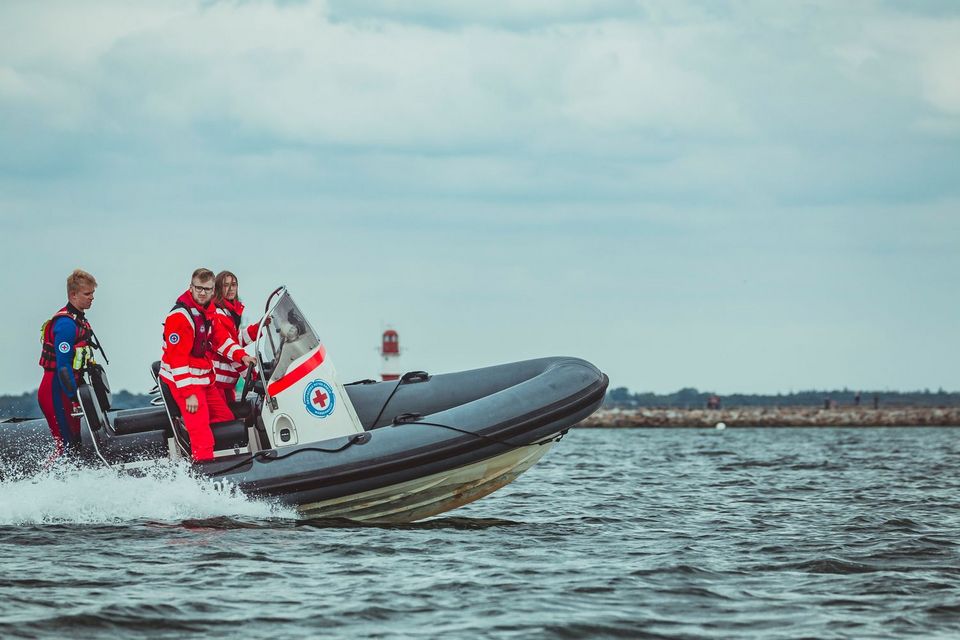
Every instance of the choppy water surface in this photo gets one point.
(640, 533)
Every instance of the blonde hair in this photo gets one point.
(77, 279)
(202, 275)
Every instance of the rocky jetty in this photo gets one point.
(775, 417)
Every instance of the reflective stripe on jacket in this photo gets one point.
(230, 315)
(190, 337)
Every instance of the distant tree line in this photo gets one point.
(25, 405)
(690, 398)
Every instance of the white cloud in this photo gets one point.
(926, 51)
(290, 72)
(941, 80)
(628, 78)
(624, 80)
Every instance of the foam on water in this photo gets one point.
(168, 492)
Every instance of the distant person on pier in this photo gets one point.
(190, 334)
(226, 298)
(66, 339)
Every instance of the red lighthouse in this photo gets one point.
(390, 354)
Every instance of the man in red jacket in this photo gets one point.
(190, 334)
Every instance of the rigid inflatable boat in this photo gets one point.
(393, 451)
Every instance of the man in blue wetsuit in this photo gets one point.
(66, 339)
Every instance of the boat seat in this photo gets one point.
(227, 435)
(140, 421)
(165, 391)
(241, 410)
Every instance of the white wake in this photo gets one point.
(166, 493)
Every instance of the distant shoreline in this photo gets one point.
(774, 417)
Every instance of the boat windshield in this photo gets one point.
(287, 339)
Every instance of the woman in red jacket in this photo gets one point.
(230, 318)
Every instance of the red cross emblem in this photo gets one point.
(320, 398)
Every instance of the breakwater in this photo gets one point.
(775, 417)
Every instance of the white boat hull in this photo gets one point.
(430, 495)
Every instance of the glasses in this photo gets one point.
(202, 289)
(232, 285)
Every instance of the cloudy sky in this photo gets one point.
(737, 196)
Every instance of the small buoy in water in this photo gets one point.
(721, 426)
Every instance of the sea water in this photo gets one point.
(776, 533)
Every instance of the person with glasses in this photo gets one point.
(230, 314)
(190, 335)
(66, 338)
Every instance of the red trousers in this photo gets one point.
(228, 391)
(211, 408)
(56, 408)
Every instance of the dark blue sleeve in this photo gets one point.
(64, 339)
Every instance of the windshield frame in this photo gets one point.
(286, 339)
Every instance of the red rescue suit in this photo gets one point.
(228, 372)
(190, 334)
(67, 331)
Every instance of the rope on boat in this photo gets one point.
(408, 377)
(271, 455)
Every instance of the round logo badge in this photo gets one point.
(318, 398)
(64, 347)
(174, 338)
